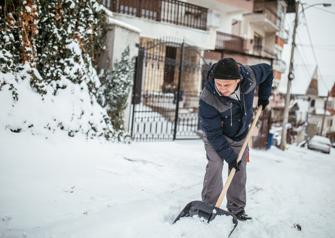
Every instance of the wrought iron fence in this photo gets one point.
(166, 91)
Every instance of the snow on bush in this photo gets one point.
(48, 80)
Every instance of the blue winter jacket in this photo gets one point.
(223, 116)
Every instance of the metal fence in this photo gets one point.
(167, 84)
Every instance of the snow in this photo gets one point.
(54, 185)
(28, 9)
(107, 11)
(124, 25)
(321, 139)
(73, 187)
(71, 109)
(321, 111)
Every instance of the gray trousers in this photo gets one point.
(213, 185)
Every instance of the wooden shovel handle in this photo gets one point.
(233, 170)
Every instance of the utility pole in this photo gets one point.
(324, 114)
(290, 77)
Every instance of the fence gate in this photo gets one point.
(167, 84)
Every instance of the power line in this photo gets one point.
(305, 66)
(309, 35)
(300, 52)
(325, 10)
(320, 47)
(310, 40)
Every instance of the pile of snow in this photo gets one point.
(73, 187)
(71, 110)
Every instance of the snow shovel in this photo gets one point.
(207, 211)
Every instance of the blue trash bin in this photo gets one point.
(270, 140)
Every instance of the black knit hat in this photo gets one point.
(226, 68)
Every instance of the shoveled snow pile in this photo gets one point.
(72, 187)
(221, 226)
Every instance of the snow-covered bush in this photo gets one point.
(48, 80)
(114, 92)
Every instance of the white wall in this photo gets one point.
(152, 29)
(303, 105)
(319, 103)
(123, 38)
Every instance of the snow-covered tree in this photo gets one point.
(116, 89)
(10, 45)
(7, 44)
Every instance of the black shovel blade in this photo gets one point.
(206, 211)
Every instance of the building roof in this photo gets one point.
(332, 92)
(321, 111)
(305, 81)
(331, 111)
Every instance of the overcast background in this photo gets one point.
(320, 22)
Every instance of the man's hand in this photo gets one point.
(262, 102)
(235, 165)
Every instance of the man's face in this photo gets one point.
(225, 86)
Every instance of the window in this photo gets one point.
(330, 122)
(258, 41)
(313, 103)
(281, 14)
(329, 104)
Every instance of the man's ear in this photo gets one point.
(238, 80)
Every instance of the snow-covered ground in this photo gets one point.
(69, 187)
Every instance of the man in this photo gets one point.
(225, 109)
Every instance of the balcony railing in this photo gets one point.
(169, 11)
(267, 13)
(272, 16)
(284, 34)
(262, 51)
(269, 53)
(280, 66)
(229, 42)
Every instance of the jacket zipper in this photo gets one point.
(245, 111)
(231, 114)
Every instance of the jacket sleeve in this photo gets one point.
(211, 124)
(264, 78)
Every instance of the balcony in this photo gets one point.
(264, 52)
(265, 18)
(239, 44)
(226, 41)
(279, 65)
(169, 11)
(282, 37)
